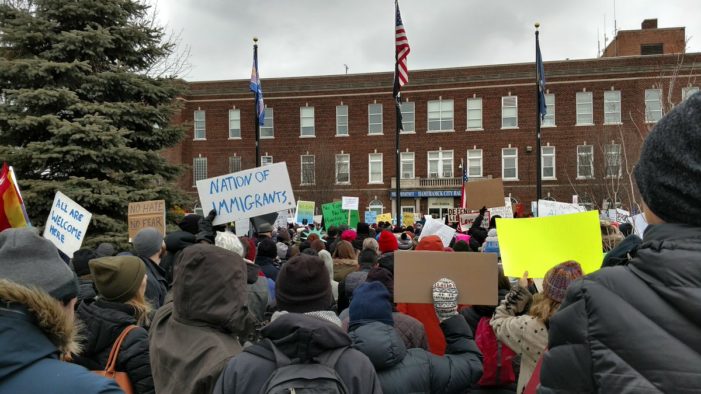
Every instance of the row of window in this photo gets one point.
(441, 114)
(440, 164)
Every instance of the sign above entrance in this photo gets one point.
(427, 193)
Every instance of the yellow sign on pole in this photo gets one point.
(537, 244)
(408, 219)
(385, 217)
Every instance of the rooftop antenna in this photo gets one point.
(598, 43)
(347, 67)
(615, 29)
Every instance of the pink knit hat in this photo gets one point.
(349, 235)
(559, 278)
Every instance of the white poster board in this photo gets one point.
(436, 227)
(506, 212)
(242, 227)
(247, 193)
(350, 203)
(554, 208)
(639, 224)
(282, 219)
(66, 224)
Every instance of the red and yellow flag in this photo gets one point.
(12, 212)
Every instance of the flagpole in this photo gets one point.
(539, 192)
(255, 105)
(398, 114)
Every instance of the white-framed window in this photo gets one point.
(308, 171)
(509, 112)
(306, 122)
(612, 107)
(440, 115)
(375, 168)
(341, 120)
(407, 165)
(474, 163)
(408, 109)
(585, 108)
(234, 164)
(689, 91)
(376, 206)
(549, 118)
(585, 161)
(268, 130)
(343, 168)
(408, 209)
(474, 113)
(266, 160)
(612, 154)
(547, 161)
(375, 118)
(234, 124)
(199, 169)
(440, 164)
(509, 164)
(200, 127)
(653, 105)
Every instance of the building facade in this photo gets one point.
(337, 133)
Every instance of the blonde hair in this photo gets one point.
(371, 243)
(611, 236)
(543, 308)
(143, 309)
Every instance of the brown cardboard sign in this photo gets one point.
(487, 193)
(475, 274)
(147, 214)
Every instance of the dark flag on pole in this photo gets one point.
(256, 88)
(401, 72)
(541, 79)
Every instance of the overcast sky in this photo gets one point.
(317, 37)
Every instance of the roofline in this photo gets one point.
(660, 28)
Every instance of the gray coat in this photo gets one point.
(417, 370)
(634, 328)
(298, 335)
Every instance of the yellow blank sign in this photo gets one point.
(537, 244)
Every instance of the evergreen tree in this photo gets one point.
(79, 111)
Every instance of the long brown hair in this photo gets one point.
(543, 308)
(344, 250)
(142, 308)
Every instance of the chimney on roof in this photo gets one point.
(649, 24)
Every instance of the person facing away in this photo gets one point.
(121, 284)
(636, 328)
(150, 247)
(192, 337)
(38, 293)
(414, 370)
(303, 330)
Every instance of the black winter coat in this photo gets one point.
(267, 265)
(475, 313)
(417, 370)
(104, 322)
(175, 243)
(634, 328)
(156, 283)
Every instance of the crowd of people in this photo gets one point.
(204, 310)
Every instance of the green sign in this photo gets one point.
(334, 215)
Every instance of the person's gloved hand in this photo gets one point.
(483, 210)
(206, 231)
(445, 299)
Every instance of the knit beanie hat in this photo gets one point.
(367, 257)
(80, 261)
(384, 276)
(118, 278)
(430, 242)
(303, 285)
(190, 223)
(669, 171)
(558, 279)
(147, 242)
(370, 303)
(363, 228)
(267, 248)
(349, 235)
(229, 241)
(30, 260)
(405, 242)
(104, 249)
(461, 246)
(388, 242)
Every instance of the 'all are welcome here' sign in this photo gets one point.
(248, 193)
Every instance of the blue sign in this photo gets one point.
(427, 193)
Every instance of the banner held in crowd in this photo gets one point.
(305, 211)
(505, 212)
(537, 244)
(554, 208)
(335, 215)
(66, 224)
(487, 193)
(385, 217)
(146, 214)
(408, 219)
(247, 193)
(350, 203)
(370, 217)
(436, 227)
(474, 274)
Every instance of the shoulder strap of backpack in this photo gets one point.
(330, 358)
(266, 349)
(114, 353)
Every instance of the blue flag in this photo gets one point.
(256, 88)
(541, 79)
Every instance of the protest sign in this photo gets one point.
(418, 217)
(370, 217)
(454, 214)
(538, 244)
(282, 219)
(436, 227)
(639, 224)
(242, 227)
(553, 208)
(575, 199)
(385, 217)
(318, 219)
(66, 224)
(350, 203)
(305, 210)
(335, 215)
(408, 219)
(505, 212)
(247, 193)
(468, 219)
(487, 193)
(146, 214)
(473, 273)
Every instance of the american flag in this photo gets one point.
(463, 197)
(256, 88)
(401, 73)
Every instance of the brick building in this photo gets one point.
(337, 133)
